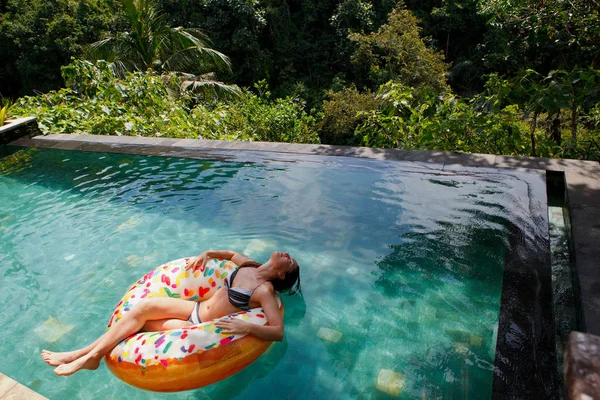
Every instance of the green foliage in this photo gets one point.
(353, 16)
(5, 110)
(561, 89)
(528, 34)
(236, 27)
(257, 118)
(420, 119)
(150, 43)
(37, 37)
(286, 42)
(397, 52)
(343, 112)
(593, 118)
(283, 41)
(540, 95)
(457, 27)
(96, 101)
(560, 93)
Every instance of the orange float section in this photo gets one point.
(183, 359)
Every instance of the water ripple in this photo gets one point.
(410, 256)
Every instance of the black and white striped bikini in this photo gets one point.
(238, 297)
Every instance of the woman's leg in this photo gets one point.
(165, 324)
(155, 308)
(58, 358)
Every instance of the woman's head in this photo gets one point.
(287, 272)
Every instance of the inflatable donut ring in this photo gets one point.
(183, 359)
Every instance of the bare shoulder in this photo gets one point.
(265, 295)
(265, 290)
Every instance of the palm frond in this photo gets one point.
(183, 40)
(209, 89)
(119, 68)
(101, 50)
(117, 50)
(131, 11)
(197, 59)
(172, 84)
(152, 43)
(201, 38)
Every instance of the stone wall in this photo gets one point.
(17, 128)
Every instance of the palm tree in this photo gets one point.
(153, 44)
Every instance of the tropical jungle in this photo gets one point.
(512, 77)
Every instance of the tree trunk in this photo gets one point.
(555, 128)
(574, 124)
(533, 128)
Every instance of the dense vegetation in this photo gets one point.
(487, 76)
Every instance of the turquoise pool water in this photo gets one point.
(401, 265)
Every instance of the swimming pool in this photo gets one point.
(402, 263)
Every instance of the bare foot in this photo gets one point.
(85, 362)
(56, 359)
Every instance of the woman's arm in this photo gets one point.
(272, 332)
(201, 259)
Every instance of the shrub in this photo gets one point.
(397, 52)
(97, 102)
(343, 112)
(419, 119)
(257, 117)
(415, 119)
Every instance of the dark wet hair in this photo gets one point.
(288, 285)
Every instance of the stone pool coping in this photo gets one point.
(17, 127)
(12, 390)
(582, 183)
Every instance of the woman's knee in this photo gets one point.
(162, 308)
(146, 306)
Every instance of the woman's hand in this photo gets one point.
(233, 325)
(198, 261)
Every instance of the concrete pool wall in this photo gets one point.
(581, 177)
(12, 390)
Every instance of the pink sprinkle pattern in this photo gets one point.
(173, 280)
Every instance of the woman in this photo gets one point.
(244, 289)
